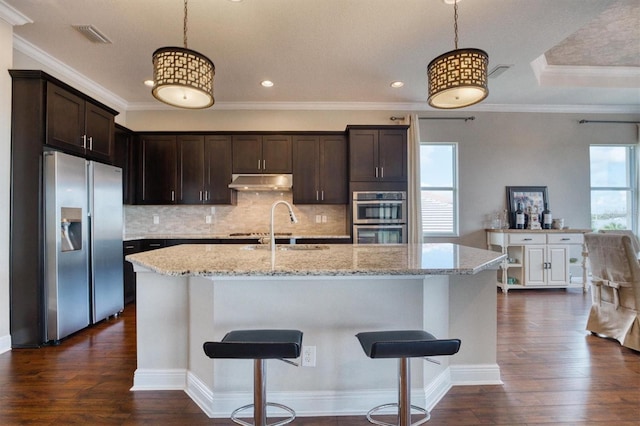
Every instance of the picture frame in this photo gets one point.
(529, 196)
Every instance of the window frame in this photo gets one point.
(632, 182)
(455, 189)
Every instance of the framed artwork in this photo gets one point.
(529, 196)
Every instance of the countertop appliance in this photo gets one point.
(379, 217)
(83, 277)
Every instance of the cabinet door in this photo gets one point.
(190, 169)
(124, 158)
(158, 169)
(247, 154)
(306, 162)
(534, 262)
(65, 120)
(276, 154)
(392, 155)
(218, 157)
(333, 181)
(99, 131)
(558, 259)
(363, 155)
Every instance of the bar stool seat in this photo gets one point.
(404, 344)
(258, 345)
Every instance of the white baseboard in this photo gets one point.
(480, 374)
(5, 343)
(170, 379)
(314, 403)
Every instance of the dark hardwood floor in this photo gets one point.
(554, 373)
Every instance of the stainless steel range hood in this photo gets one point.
(266, 182)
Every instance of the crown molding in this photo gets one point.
(390, 106)
(584, 76)
(70, 75)
(12, 15)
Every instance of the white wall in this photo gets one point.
(6, 41)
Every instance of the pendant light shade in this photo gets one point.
(183, 77)
(458, 78)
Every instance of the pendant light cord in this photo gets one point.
(455, 22)
(185, 24)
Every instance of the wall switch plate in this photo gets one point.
(207, 218)
(324, 219)
(308, 356)
(318, 218)
(156, 219)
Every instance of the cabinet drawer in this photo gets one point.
(527, 239)
(565, 238)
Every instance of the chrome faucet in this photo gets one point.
(293, 218)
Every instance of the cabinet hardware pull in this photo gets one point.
(206, 195)
(129, 247)
(173, 195)
(258, 164)
(90, 143)
(527, 239)
(565, 239)
(382, 172)
(317, 196)
(322, 199)
(84, 141)
(200, 195)
(264, 164)
(376, 172)
(154, 245)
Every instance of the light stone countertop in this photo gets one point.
(133, 237)
(332, 260)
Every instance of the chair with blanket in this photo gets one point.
(635, 243)
(615, 288)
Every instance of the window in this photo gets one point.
(613, 186)
(439, 189)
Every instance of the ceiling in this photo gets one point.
(565, 55)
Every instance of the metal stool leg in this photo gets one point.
(260, 400)
(404, 400)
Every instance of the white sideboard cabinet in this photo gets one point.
(540, 258)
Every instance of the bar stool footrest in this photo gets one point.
(289, 419)
(373, 411)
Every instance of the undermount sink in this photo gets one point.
(286, 247)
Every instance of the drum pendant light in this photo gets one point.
(458, 78)
(182, 77)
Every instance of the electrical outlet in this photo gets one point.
(308, 356)
(207, 218)
(318, 218)
(324, 219)
(156, 219)
(213, 210)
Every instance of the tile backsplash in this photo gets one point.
(251, 214)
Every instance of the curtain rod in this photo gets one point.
(608, 121)
(448, 118)
(401, 118)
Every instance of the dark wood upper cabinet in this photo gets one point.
(125, 158)
(377, 154)
(218, 159)
(261, 154)
(158, 169)
(320, 169)
(79, 126)
(191, 169)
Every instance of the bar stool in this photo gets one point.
(404, 344)
(258, 345)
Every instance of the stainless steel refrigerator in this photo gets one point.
(83, 279)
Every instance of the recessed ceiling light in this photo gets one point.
(397, 84)
(235, 1)
(450, 1)
(266, 83)
(148, 83)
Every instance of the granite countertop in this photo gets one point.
(529, 231)
(331, 260)
(226, 237)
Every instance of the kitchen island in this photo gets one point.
(190, 294)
